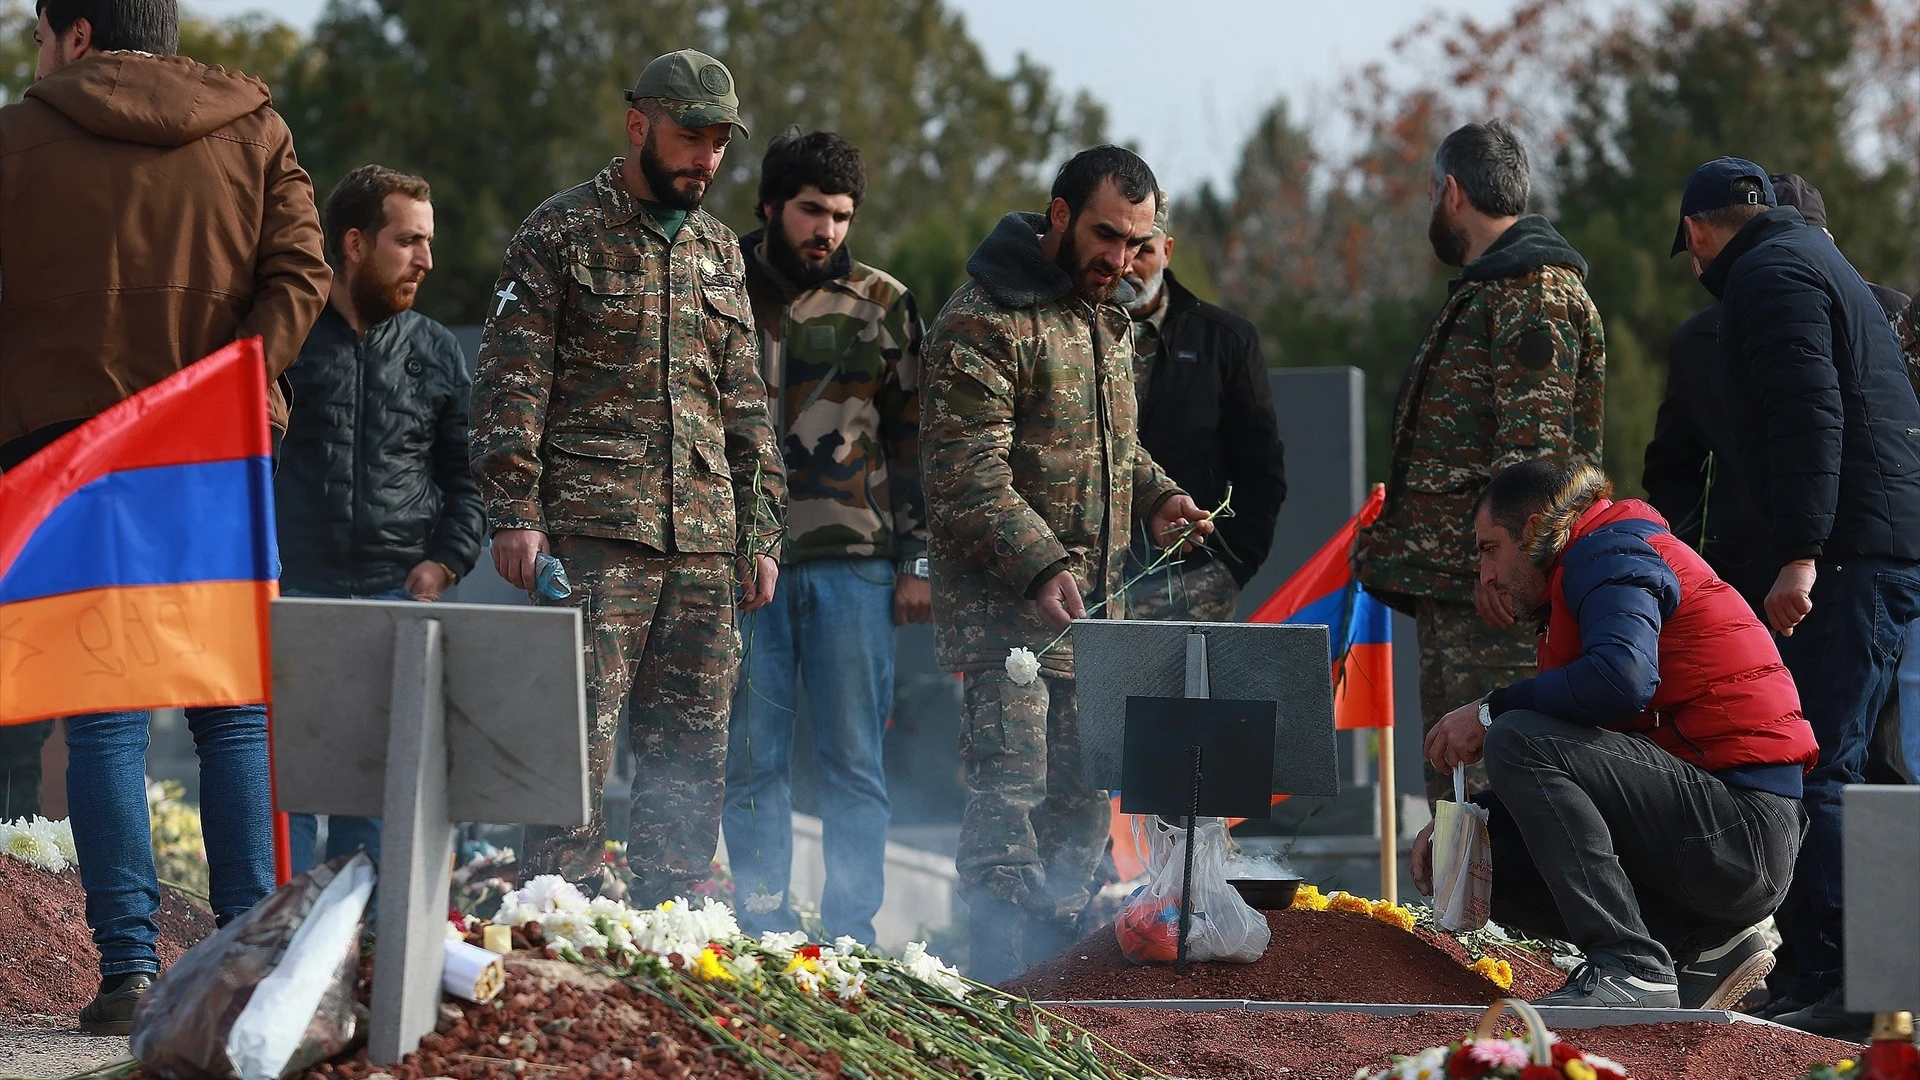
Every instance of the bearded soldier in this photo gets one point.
(1513, 368)
(1033, 475)
(620, 425)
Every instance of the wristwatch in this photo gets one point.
(915, 567)
(1486, 714)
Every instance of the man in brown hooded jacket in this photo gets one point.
(151, 211)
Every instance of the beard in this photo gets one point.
(666, 183)
(789, 262)
(1449, 245)
(1146, 293)
(377, 300)
(1076, 267)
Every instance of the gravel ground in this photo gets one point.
(42, 1052)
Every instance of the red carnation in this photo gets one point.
(810, 951)
(1565, 1052)
(1541, 1072)
(1461, 1065)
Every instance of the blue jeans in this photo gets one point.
(107, 800)
(346, 833)
(1843, 657)
(1910, 701)
(831, 624)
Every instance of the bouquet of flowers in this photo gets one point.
(911, 1016)
(1538, 1056)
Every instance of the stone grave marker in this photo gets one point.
(1881, 885)
(425, 715)
(1287, 665)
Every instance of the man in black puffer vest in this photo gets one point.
(1828, 427)
(373, 496)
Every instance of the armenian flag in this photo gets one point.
(1323, 592)
(137, 556)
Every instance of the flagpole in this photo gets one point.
(1389, 828)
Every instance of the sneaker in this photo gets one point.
(1829, 1017)
(1596, 987)
(111, 1010)
(1718, 978)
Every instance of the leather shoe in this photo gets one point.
(111, 1010)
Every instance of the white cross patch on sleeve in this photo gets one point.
(506, 296)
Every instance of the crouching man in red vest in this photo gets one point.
(1645, 799)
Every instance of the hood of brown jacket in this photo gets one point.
(155, 100)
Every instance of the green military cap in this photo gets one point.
(694, 88)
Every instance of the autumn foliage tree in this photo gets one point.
(1330, 254)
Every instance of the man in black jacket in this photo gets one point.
(1206, 415)
(1829, 427)
(1692, 474)
(373, 496)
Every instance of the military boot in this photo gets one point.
(993, 940)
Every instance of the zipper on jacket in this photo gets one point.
(359, 433)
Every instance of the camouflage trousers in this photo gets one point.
(1462, 660)
(1204, 593)
(1033, 831)
(660, 640)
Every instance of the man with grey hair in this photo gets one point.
(1206, 415)
(1512, 368)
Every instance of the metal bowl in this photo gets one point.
(1266, 894)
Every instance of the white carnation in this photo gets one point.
(928, 969)
(765, 903)
(1022, 666)
(785, 944)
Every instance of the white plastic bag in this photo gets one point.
(1462, 861)
(1223, 927)
(268, 995)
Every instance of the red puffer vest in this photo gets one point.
(1725, 699)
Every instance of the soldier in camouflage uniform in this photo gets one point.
(840, 353)
(1034, 476)
(1512, 368)
(620, 423)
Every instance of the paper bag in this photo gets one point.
(1462, 861)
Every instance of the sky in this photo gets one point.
(1184, 82)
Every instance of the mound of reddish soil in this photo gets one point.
(554, 1019)
(1313, 956)
(49, 968)
(1330, 1046)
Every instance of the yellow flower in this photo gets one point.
(1579, 1070)
(1843, 1064)
(664, 905)
(1309, 898)
(801, 962)
(707, 965)
(1347, 902)
(1392, 914)
(1499, 971)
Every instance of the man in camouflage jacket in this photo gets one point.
(1034, 474)
(840, 353)
(620, 421)
(1512, 368)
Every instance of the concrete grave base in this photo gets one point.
(1561, 1016)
